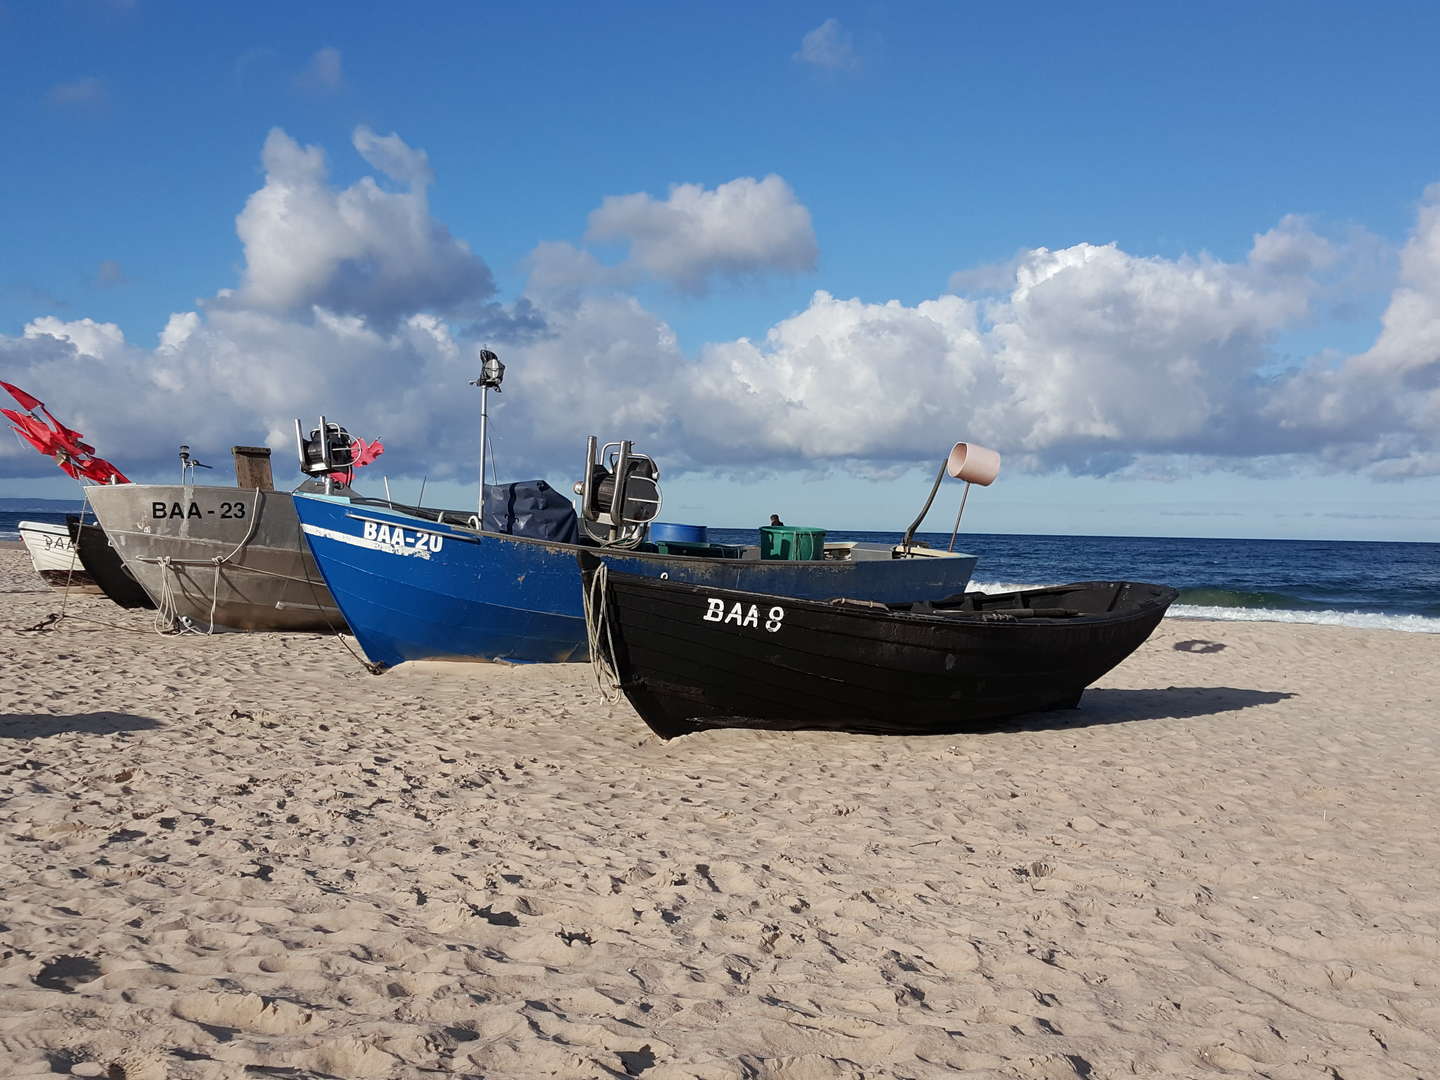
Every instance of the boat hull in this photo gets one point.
(223, 556)
(415, 589)
(104, 564)
(690, 658)
(54, 557)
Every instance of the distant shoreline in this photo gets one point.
(40, 506)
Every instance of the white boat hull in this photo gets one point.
(53, 555)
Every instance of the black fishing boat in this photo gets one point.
(103, 564)
(690, 657)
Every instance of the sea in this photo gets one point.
(10, 521)
(1381, 585)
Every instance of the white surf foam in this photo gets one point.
(1359, 620)
(1002, 586)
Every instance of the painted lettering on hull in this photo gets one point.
(166, 511)
(401, 542)
(739, 614)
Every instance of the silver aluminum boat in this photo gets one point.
(229, 557)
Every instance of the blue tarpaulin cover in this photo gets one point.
(530, 508)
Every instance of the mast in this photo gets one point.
(492, 371)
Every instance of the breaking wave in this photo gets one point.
(1240, 606)
(1359, 620)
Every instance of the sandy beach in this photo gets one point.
(243, 855)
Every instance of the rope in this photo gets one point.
(53, 620)
(369, 665)
(249, 533)
(598, 638)
(43, 624)
(315, 592)
(168, 619)
(209, 562)
(215, 592)
(69, 576)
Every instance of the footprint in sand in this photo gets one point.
(113, 1057)
(66, 973)
(247, 1012)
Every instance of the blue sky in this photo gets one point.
(638, 204)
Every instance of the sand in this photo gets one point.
(242, 856)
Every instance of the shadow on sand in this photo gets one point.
(1096, 709)
(41, 726)
(1099, 707)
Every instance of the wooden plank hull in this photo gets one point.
(690, 657)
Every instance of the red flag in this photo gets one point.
(70, 446)
(67, 446)
(15, 417)
(35, 433)
(19, 418)
(69, 433)
(364, 453)
(22, 397)
(102, 472)
(65, 438)
(36, 443)
(361, 453)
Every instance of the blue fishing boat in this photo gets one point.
(413, 587)
(504, 584)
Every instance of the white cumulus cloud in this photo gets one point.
(742, 227)
(98, 341)
(1380, 409)
(356, 302)
(352, 302)
(391, 155)
(361, 251)
(1292, 248)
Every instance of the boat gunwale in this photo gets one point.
(467, 533)
(48, 527)
(1165, 596)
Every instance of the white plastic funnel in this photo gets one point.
(966, 461)
(973, 464)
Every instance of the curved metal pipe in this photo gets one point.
(910, 532)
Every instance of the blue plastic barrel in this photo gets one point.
(684, 534)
